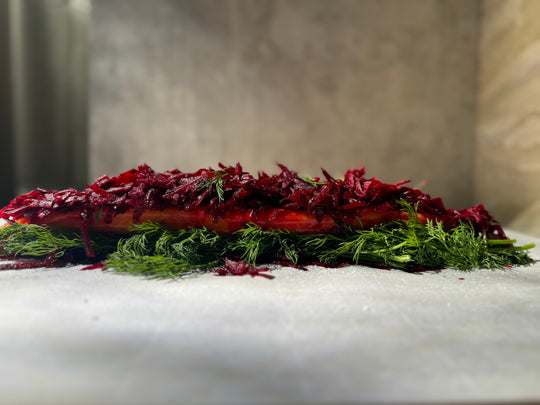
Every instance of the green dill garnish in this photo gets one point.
(255, 245)
(98, 215)
(34, 241)
(215, 184)
(401, 245)
(311, 180)
(155, 266)
(37, 241)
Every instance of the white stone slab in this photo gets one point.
(354, 334)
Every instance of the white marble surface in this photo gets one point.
(326, 335)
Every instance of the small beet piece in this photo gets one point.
(239, 268)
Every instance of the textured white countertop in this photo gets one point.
(353, 334)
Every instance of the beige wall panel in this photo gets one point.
(508, 142)
(389, 85)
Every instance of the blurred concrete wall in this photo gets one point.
(390, 85)
(508, 138)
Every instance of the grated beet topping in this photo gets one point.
(230, 189)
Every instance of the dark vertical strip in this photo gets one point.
(49, 56)
(6, 129)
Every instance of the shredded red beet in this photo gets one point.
(21, 265)
(239, 268)
(49, 261)
(143, 189)
(95, 266)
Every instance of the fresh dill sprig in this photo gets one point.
(153, 266)
(311, 180)
(194, 246)
(215, 183)
(253, 244)
(34, 241)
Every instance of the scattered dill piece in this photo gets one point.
(314, 181)
(215, 184)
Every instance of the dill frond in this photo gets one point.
(154, 266)
(215, 184)
(34, 241)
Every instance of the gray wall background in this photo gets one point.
(390, 85)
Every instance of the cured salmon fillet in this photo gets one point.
(282, 219)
